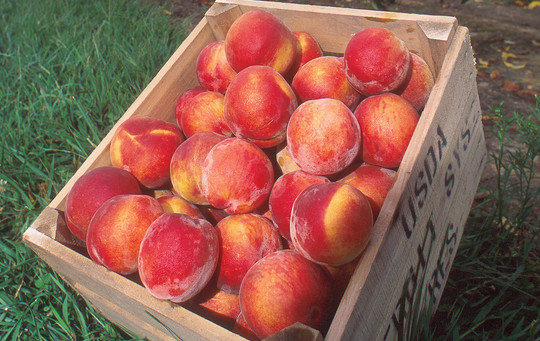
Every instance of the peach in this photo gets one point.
(204, 112)
(373, 181)
(213, 70)
(284, 192)
(417, 86)
(323, 136)
(376, 61)
(178, 256)
(187, 165)
(237, 176)
(90, 191)
(176, 204)
(144, 146)
(217, 305)
(387, 122)
(331, 223)
(324, 77)
(284, 288)
(213, 215)
(340, 278)
(260, 38)
(245, 238)
(182, 100)
(307, 48)
(258, 104)
(117, 229)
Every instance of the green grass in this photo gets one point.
(493, 291)
(69, 69)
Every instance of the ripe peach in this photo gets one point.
(284, 192)
(204, 112)
(237, 176)
(323, 136)
(331, 223)
(176, 204)
(387, 122)
(260, 38)
(178, 256)
(144, 146)
(117, 229)
(187, 165)
(307, 48)
(284, 288)
(245, 238)
(90, 191)
(258, 104)
(376, 61)
(417, 86)
(217, 305)
(373, 181)
(340, 278)
(182, 100)
(324, 77)
(213, 70)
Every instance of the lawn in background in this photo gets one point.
(72, 68)
(68, 71)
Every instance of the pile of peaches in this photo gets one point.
(269, 181)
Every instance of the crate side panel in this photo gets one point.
(130, 296)
(422, 184)
(158, 99)
(122, 317)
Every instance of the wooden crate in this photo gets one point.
(421, 222)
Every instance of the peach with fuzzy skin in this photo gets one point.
(187, 165)
(204, 112)
(260, 38)
(237, 176)
(331, 223)
(258, 105)
(176, 204)
(182, 100)
(418, 85)
(312, 127)
(284, 288)
(117, 229)
(376, 61)
(245, 238)
(373, 181)
(93, 189)
(387, 122)
(213, 70)
(324, 77)
(284, 192)
(178, 256)
(144, 146)
(307, 48)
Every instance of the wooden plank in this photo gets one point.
(77, 270)
(122, 317)
(418, 210)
